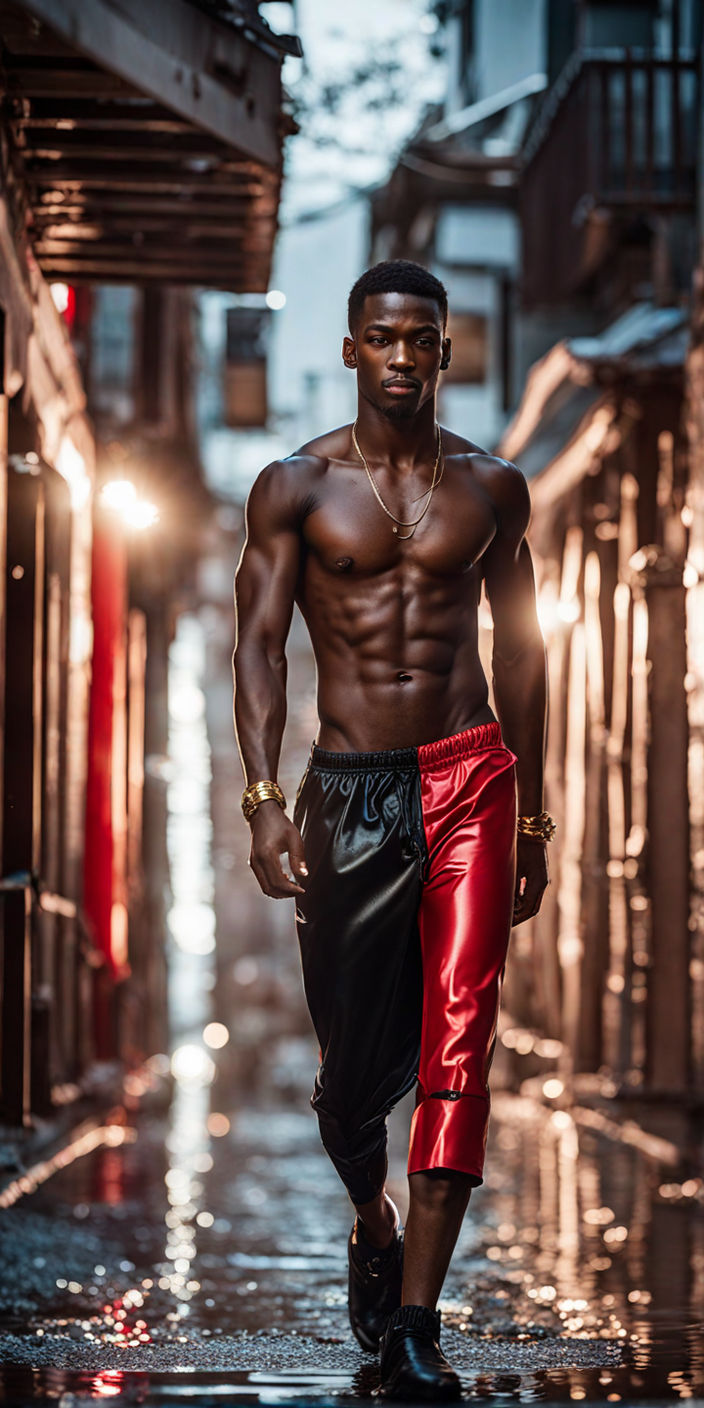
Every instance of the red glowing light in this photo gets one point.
(108, 1385)
(69, 314)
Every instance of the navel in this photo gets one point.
(403, 677)
(344, 563)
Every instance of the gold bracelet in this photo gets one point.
(259, 792)
(538, 828)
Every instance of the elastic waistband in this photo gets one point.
(387, 760)
(458, 745)
(428, 755)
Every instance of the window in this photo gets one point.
(469, 348)
(245, 367)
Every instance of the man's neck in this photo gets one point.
(401, 443)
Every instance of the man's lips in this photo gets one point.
(397, 386)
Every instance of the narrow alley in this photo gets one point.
(189, 191)
(198, 1250)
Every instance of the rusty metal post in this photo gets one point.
(74, 981)
(668, 1001)
(546, 924)
(694, 582)
(154, 853)
(54, 1015)
(617, 995)
(22, 775)
(595, 908)
(569, 887)
(635, 865)
(617, 1007)
(570, 940)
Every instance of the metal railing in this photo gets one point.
(617, 133)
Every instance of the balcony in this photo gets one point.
(614, 143)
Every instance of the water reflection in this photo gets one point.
(588, 1243)
(191, 970)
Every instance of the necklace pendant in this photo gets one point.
(398, 524)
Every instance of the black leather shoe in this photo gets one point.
(413, 1367)
(374, 1284)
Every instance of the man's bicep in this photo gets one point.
(267, 574)
(265, 586)
(510, 588)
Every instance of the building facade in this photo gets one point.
(141, 154)
(559, 197)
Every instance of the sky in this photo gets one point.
(347, 48)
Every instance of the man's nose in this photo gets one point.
(401, 355)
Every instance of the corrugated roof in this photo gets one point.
(643, 325)
(570, 413)
(145, 141)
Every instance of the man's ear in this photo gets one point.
(446, 354)
(349, 352)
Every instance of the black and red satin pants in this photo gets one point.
(404, 928)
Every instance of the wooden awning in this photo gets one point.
(145, 140)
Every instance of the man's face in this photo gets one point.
(397, 349)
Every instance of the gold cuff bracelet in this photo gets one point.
(259, 792)
(538, 828)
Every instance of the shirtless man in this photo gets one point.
(403, 844)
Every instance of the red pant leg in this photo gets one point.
(469, 812)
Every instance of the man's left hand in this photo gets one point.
(531, 877)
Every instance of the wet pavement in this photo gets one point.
(204, 1254)
(194, 1245)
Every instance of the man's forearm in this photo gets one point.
(259, 710)
(260, 715)
(520, 693)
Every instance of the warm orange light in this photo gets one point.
(121, 497)
(218, 1125)
(118, 934)
(216, 1035)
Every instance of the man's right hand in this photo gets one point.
(273, 835)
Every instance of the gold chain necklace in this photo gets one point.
(399, 522)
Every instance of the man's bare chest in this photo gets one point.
(348, 531)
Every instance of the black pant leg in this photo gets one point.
(357, 928)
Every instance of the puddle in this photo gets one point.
(578, 1278)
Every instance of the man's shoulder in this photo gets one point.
(289, 476)
(308, 461)
(286, 488)
(500, 479)
(491, 470)
(332, 445)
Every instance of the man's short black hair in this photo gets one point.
(396, 276)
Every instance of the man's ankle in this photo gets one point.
(377, 1227)
(415, 1316)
